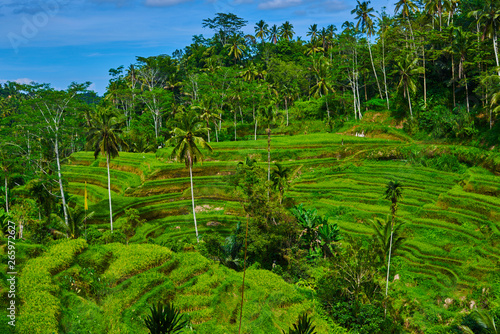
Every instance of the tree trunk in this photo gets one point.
(495, 48)
(389, 264)
(216, 134)
(109, 194)
(467, 93)
(255, 135)
(286, 107)
(6, 194)
(192, 197)
(453, 78)
(385, 76)
(374, 72)
(425, 82)
(268, 130)
(235, 125)
(65, 209)
(409, 102)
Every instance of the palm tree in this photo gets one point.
(382, 237)
(261, 30)
(485, 320)
(436, 6)
(186, 138)
(313, 32)
(274, 34)
(280, 178)
(462, 45)
(321, 88)
(407, 7)
(105, 137)
(490, 16)
(77, 218)
(286, 31)
(268, 115)
(236, 47)
(393, 192)
(364, 17)
(208, 112)
(408, 70)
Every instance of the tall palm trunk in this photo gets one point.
(65, 210)
(409, 102)
(6, 194)
(389, 263)
(495, 48)
(268, 130)
(235, 125)
(383, 71)
(374, 71)
(192, 197)
(255, 134)
(467, 93)
(425, 82)
(286, 108)
(109, 194)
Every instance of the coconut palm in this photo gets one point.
(407, 7)
(261, 30)
(187, 138)
(105, 138)
(489, 16)
(274, 34)
(313, 32)
(77, 219)
(208, 112)
(286, 31)
(393, 192)
(382, 237)
(236, 46)
(364, 17)
(280, 178)
(408, 72)
(485, 320)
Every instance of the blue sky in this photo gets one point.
(60, 41)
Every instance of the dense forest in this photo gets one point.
(307, 163)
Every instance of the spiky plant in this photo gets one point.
(164, 319)
(303, 326)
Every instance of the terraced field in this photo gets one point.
(452, 218)
(132, 277)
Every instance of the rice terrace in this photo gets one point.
(257, 181)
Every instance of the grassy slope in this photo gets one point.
(452, 218)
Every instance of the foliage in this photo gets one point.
(303, 326)
(164, 319)
(41, 308)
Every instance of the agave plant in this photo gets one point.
(303, 326)
(164, 319)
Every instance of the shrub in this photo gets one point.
(164, 320)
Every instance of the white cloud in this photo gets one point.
(22, 81)
(276, 4)
(163, 3)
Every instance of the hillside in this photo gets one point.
(451, 211)
(450, 208)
